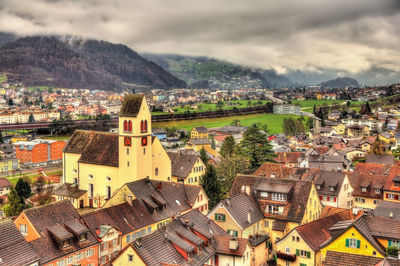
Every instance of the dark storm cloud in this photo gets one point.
(352, 35)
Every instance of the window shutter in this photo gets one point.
(229, 232)
(387, 195)
(236, 233)
(320, 197)
(396, 197)
(223, 217)
(347, 242)
(389, 243)
(216, 217)
(308, 254)
(327, 198)
(334, 199)
(358, 243)
(297, 252)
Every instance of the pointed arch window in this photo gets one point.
(141, 126)
(145, 125)
(125, 125)
(130, 126)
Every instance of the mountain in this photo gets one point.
(340, 83)
(77, 63)
(6, 37)
(202, 72)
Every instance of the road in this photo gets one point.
(47, 169)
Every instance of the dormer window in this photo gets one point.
(318, 186)
(263, 194)
(65, 243)
(331, 188)
(364, 189)
(377, 190)
(82, 237)
(279, 196)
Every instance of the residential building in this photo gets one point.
(286, 109)
(334, 258)
(9, 165)
(39, 151)
(198, 144)
(5, 186)
(292, 159)
(187, 167)
(358, 130)
(14, 249)
(301, 246)
(199, 133)
(58, 235)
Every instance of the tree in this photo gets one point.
(292, 126)
(392, 251)
(171, 131)
(211, 186)
(235, 122)
(213, 145)
(310, 122)
(1, 137)
(219, 105)
(368, 108)
(203, 156)
(255, 147)
(31, 118)
(228, 147)
(15, 204)
(228, 168)
(10, 102)
(23, 189)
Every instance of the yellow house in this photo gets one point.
(101, 163)
(353, 153)
(276, 201)
(340, 129)
(301, 245)
(187, 167)
(198, 144)
(387, 137)
(357, 130)
(199, 133)
(9, 165)
(128, 256)
(358, 237)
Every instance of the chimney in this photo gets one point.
(129, 199)
(248, 190)
(249, 217)
(228, 201)
(233, 243)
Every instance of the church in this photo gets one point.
(96, 164)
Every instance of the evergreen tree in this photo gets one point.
(15, 204)
(211, 186)
(31, 118)
(255, 147)
(1, 137)
(315, 110)
(203, 156)
(213, 145)
(10, 102)
(23, 189)
(228, 147)
(368, 108)
(228, 168)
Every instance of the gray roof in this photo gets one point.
(380, 159)
(386, 208)
(182, 163)
(200, 141)
(271, 187)
(327, 179)
(239, 206)
(14, 250)
(201, 129)
(69, 190)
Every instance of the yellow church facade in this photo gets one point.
(100, 162)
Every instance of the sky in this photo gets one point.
(348, 35)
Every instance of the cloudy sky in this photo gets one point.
(350, 35)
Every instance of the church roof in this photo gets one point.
(131, 105)
(103, 149)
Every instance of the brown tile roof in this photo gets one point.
(79, 141)
(393, 174)
(328, 210)
(69, 190)
(334, 258)
(222, 246)
(373, 168)
(182, 163)
(295, 207)
(131, 105)
(44, 218)
(270, 170)
(289, 157)
(317, 232)
(103, 150)
(380, 159)
(4, 183)
(369, 181)
(327, 179)
(14, 250)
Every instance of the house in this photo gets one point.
(190, 239)
(340, 129)
(110, 242)
(9, 165)
(367, 236)
(334, 188)
(14, 249)
(187, 167)
(284, 204)
(5, 186)
(329, 162)
(199, 133)
(236, 131)
(39, 151)
(391, 189)
(327, 131)
(273, 170)
(334, 258)
(58, 235)
(367, 189)
(102, 162)
(198, 144)
(380, 159)
(387, 137)
(291, 159)
(354, 153)
(301, 245)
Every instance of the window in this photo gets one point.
(125, 126)
(373, 253)
(303, 253)
(352, 243)
(149, 230)
(90, 190)
(377, 191)
(141, 126)
(145, 125)
(233, 233)
(65, 243)
(220, 217)
(130, 126)
(144, 150)
(272, 209)
(178, 202)
(287, 250)
(364, 189)
(128, 238)
(264, 194)
(361, 200)
(130, 258)
(127, 163)
(279, 196)
(90, 176)
(394, 243)
(23, 229)
(75, 171)
(156, 171)
(75, 180)
(127, 151)
(82, 237)
(331, 188)
(108, 191)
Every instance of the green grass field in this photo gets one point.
(38, 88)
(273, 121)
(308, 105)
(57, 137)
(205, 107)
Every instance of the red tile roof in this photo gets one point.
(289, 157)
(222, 246)
(373, 168)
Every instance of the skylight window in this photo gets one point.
(178, 202)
